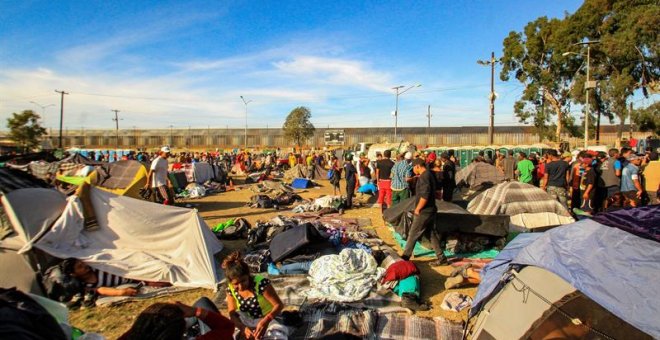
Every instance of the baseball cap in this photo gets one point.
(408, 155)
(587, 160)
(165, 149)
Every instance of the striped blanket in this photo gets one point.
(513, 198)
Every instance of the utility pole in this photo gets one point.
(62, 93)
(116, 119)
(396, 106)
(492, 96)
(171, 137)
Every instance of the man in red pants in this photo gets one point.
(383, 176)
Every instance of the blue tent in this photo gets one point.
(610, 265)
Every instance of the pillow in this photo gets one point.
(399, 270)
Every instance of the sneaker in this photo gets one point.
(75, 301)
(454, 282)
(89, 300)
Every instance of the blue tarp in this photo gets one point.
(616, 269)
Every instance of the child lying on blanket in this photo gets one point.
(252, 301)
(97, 282)
(169, 321)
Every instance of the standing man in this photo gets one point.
(525, 169)
(610, 175)
(157, 177)
(350, 172)
(509, 165)
(448, 177)
(556, 178)
(424, 214)
(402, 173)
(631, 184)
(383, 176)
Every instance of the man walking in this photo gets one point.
(424, 214)
(351, 180)
(157, 177)
(556, 178)
(610, 174)
(383, 176)
(402, 172)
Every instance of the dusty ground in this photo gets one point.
(113, 321)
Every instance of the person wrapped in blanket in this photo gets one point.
(96, 282)
(252, 301)
(177, 321)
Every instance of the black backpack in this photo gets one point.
(238, 230)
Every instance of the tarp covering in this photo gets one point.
(479, 175)
(298, 171)
(528, 206)
(614, 268)
(138, 240)
(449, 218)
(121, 177)
(643, 222)
(11, 179)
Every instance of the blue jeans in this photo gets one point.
(291, 268)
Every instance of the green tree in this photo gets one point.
(648, 119)
(297, 126)
(531, 57)
(25, 130)
(626, 58)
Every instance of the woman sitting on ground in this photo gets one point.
(252, 301)
(168, 321)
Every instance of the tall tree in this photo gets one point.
(533, 58)
(626, 58)
(648, 119)
(297, 126)
(25, 130)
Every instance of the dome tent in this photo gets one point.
(586, 279)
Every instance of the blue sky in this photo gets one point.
(187, 63)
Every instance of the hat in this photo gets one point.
(587, 160)
(566, 154)
(432, 157)
(165, 149)
(408, 155)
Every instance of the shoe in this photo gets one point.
(410, 301)
(89, 300)
(454, 282)
(75, 302)
(439, 262)
(461, 270)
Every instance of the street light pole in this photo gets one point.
(43, 109)
(396, 107)
(492, 96)
(586, 113)
(246, 112)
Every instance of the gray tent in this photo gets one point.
(28, 212)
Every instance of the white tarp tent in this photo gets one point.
(136, 239)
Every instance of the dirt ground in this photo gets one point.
(114, 321)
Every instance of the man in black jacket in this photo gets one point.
(424, 214)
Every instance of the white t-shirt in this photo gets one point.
(159, 168)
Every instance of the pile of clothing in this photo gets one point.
(264, 201)
(324, 204)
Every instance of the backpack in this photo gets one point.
(59, 286)
(238, 229)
